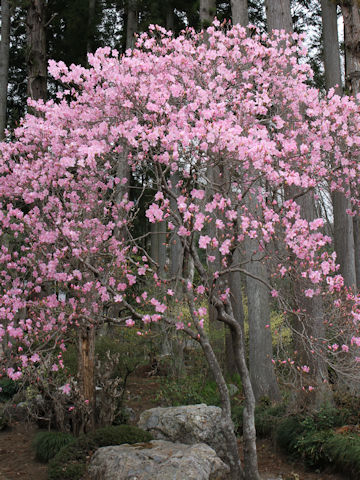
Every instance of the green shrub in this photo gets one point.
(287, 433)
(8, 388)
(267, 418)
(310, 446)
(343, 450)
(70, 462)
(329, 417)
(313, 438)
(48, 444)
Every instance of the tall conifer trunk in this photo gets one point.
(207, 12)
(4, 63)
(131, 24)
(239, 12)
(351, 15)
(36, 50)
(279, 17)
(86, 371)
(343, 223)
(262, 373)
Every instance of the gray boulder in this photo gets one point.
(157, 460)
(186, 424)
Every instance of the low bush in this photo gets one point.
(319, 441)
(70, 463)
(343, 450)
(8, 388)
(288, 431)
(266, 418)
(48, 444)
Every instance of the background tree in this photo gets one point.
(4, 64)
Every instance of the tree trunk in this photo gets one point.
(344, 238)
(132, 23)
(249, 433)
(86, 370)
(331, 46)
(4, 63)
(207, 12)
(343, 223)
(356, 223)
(351, 16)
(278, 15)
(239, 12)
(91, 29)
(169, 21)
(235, 284)
(36, 47)
(261, 368)
(236, 472)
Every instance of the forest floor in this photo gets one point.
(17, 456)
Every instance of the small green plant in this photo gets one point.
(70, 462)
(48, 444)
(189, 391)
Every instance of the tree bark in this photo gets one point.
(351, 16)
(207, 12)
(235, 284)
(36, 46)
(343, 223)
(132, 23)
(278, 15)
(356, 224)
(313, 328)
(4, 63)
(261, 368)
(239, 12)
(249, 433)
(90, 30)
(86, 370)
(236, 471)
(331, 46)
(169, 21)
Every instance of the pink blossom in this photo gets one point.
(204, 241)
(66, 389)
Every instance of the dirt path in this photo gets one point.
(17, 456)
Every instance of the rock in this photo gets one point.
(233, 389)
(130, 413)
(186, 424)
(157, 460)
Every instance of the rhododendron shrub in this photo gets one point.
(176, 110)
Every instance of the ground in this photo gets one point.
(17, 456)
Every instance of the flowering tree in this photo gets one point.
(177, 109)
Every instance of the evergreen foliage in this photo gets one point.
(48, 444)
